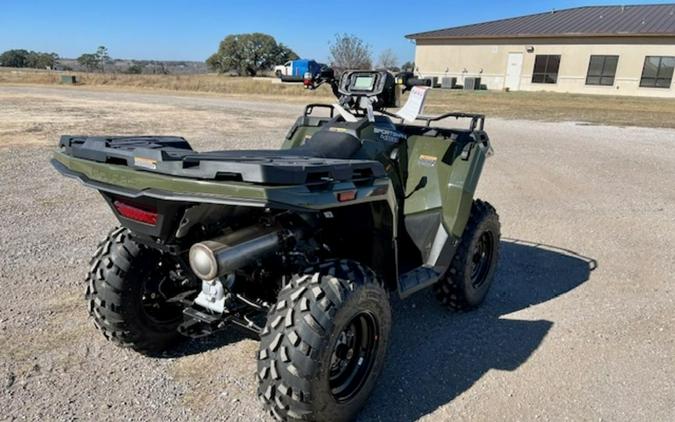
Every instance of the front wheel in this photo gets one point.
(472, 269)
(324, 343)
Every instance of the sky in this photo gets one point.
(191, 30)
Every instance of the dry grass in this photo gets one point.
(197, 83)
(594, 109)
(548, 106)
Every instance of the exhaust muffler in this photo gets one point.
(214, 258)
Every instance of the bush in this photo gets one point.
(135, 69)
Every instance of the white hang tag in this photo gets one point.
(415, 104)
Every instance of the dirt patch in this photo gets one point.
(34, 120)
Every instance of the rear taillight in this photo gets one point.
(135, 213)
(308, 80)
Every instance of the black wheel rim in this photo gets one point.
(481, 259)
(353, 356)
(160, 281)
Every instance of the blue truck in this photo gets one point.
(295, 70)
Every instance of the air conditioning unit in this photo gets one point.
(448, 83)
(471, 84)
(434, 82)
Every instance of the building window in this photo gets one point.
(657, 72)
(546, 69)
(601, 70)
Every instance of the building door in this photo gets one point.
(513, 69)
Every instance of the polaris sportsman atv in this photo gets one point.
(301, 246)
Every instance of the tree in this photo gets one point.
(388, 60)
(95, 61)
(89, 61)
(38, 60)
(14, 58)
(249, 54)
(350, 52)
(102, 57)
(25, 58)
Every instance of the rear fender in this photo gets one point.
(364, 232)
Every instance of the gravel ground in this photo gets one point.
(580, 324)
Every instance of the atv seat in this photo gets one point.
(329, 144)
(323, 144)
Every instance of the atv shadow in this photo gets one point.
(201, 345)
(436, 355)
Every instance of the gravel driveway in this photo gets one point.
(580, 324)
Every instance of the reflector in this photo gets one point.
(349, 195)
(134, 213)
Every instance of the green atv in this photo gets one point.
(301, 246)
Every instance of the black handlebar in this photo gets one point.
(407, 80)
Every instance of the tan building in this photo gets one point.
(619, 50)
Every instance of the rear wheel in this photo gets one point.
(324, 343)
(128, 291)
(472, 269)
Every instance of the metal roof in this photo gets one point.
(637, 20)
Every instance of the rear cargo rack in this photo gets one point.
(173, 156)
